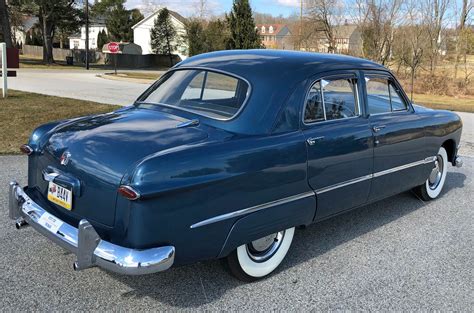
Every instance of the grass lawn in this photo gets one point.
(22, 112)
(463, 104)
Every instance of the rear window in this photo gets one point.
(203, 92)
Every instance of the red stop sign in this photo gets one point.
(113, 47)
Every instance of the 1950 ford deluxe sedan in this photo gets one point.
(224, 156)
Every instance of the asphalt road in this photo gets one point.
(397, 254)
(77, 84)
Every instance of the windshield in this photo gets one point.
(207, 93)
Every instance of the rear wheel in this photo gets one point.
(434, 184)
(260, 257)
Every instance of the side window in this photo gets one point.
(314, 105)
(193, 90)
(378, 95)
(219, 86)
(331, 99)
(340, 98)
(397, 102)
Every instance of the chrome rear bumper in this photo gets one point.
(84, 241)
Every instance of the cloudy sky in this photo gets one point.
(188, 7)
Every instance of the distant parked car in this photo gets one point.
(225, 155)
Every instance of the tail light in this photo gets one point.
(26, 149)
(128, 192)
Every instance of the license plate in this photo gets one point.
(60, 195)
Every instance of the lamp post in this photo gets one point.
(87, 34)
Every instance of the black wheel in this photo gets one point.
(260, 257)
(434, 184)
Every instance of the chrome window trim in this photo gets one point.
(335, 77)
(152, 88)
(267, 205)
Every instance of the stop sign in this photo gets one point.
(113, 47)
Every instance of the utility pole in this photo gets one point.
(301, 25)
(87, 34)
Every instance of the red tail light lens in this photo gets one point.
(128, 192)
(26, 149)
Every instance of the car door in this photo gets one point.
(339, 143)
(399, 150)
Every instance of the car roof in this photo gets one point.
(274, 64)
(273, 75)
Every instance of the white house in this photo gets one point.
(142, 31)
(78, 41)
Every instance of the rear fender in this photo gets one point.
(268, 221)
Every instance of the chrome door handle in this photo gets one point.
(312, 141)
(376, 129)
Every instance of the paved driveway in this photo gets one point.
(397, 254)
(77, 84)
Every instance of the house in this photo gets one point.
(275, 36)
(78, 41)
(142, 32)
(348, 40)
(25, 28)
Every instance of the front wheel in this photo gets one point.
(260, 257)
(434, 184)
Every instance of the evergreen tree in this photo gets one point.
(119, 20)
(216, 35)
(163, 35)
(243, 34)
(102, 39)
(196, 37)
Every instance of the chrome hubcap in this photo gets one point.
(264, 248)
(436, 173)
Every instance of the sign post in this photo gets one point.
(3, 46)
(114, 48)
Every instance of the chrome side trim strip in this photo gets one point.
(343, 184)
(253, 209)
(263, 206)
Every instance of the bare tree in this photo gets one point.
(377, 20)
(414, 41)
(326, 16)
(467, 7)
(434, 13)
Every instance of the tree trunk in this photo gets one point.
(47, 41)
(7, 34)
(462, 24)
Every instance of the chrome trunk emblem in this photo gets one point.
(64, 160)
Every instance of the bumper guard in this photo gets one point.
(84, 241)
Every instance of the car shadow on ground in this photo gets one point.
(202, 283)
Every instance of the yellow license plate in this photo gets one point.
(60, 195)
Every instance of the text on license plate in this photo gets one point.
(60, 195)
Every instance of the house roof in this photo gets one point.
(277, 28)
(174, 14)
(28, 22)
(345, 31)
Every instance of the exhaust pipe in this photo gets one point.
(20, 223)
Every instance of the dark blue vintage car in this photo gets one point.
(224, 156)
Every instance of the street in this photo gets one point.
(77, 84)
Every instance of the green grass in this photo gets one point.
(22, 112)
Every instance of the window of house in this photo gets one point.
(382, 96)
(263, 29)
(270, 29)
(76, 44)
(331, 99)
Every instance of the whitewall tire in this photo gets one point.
(259, 258)
(434, 184)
